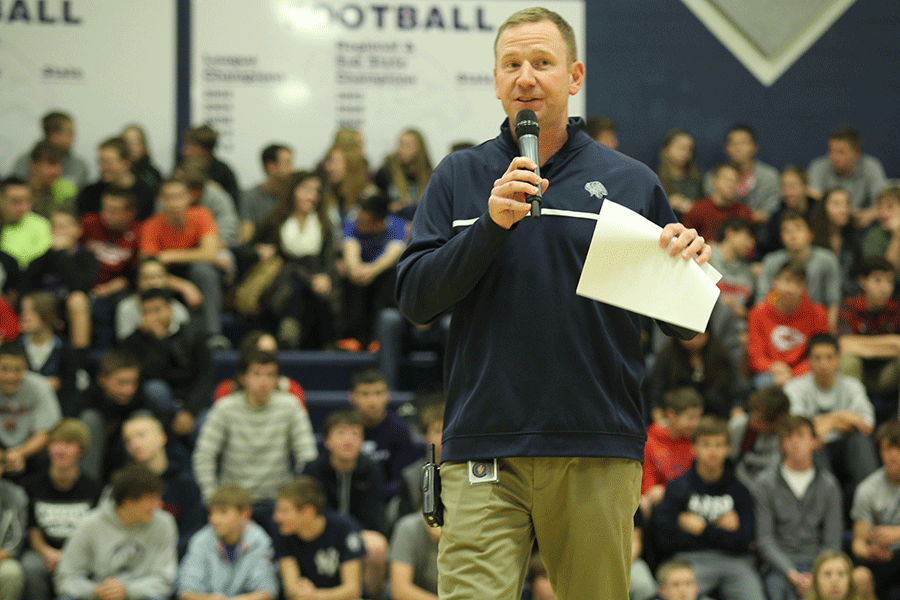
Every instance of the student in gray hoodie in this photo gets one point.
(798, 512)
(124, 549)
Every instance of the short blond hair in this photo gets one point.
(536, 15)
(231, 495)
(73, 431)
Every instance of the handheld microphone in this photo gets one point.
(527, 131)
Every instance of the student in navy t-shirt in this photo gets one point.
(317, 549)
(373, 243)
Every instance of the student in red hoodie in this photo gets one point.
(779, 327)
(669, 451)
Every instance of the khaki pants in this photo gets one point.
(580, 510)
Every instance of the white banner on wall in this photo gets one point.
(107, 64)
(294, 71)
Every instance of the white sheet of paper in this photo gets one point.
(625, 267)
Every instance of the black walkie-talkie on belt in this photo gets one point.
(432, 508)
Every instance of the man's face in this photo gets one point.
(888, 211)
(890, 458)
(143, 439)
(283, 165)
(12, 371)
(152, 275)
(371, 400)
(680, 585)
(843, 156)
(63, 137)
(823, 362)
(682, 425)
(175, 199)
(289, 518)
(795, 235)
(115, 214)
(157, 310)
(112, 165)
(740, 147)
(790, 290)
(799, 445)
(16, 203)
(725, 183)
(878, 287)
(531, 70)
(121, 385)
(64, 454)
(260, 380)
(46, 172)
(344, 441)
(743, 243)
(194, 152)
(710, 451)
(227, 521)
(65, 227)
(367, 224)
(142, 509)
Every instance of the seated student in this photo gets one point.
(58, 499)
(537, 579)
(839, 407)
(869, 329)
(231, 557)
(833, 229)
(68, 271)
(259, 340)
(115, 171)
(185, 239)
(113, 398)
(823, 273)
(779, 327)
(257, 202)
(700, 363)
(793, 196)
(199, 145)
(252, 436)
(847, 167)
(677, 581)
(112, 237)
(153, 274)
(309, 532)
(706, 517)
(707, 214)
(28, 407)
(754, 441)
(139, 153)
(876, 513)
(883, 238)
(123, 549)
(757, 184)
(354, 486)
(13, 519)
(431, 424)
(669, 450)
(388, 439)
(49, 190)
(799, 512)
(146, 443)
(48, 354)
(397, 336)
(413, 560)
(59, 130)
(731, 257)
(175, 363)
(25, 234)
(373, 243)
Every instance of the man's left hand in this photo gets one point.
(687, 243)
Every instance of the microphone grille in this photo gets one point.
(527, 123)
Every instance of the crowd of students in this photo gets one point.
(772, 440)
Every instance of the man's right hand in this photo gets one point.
(507, 204)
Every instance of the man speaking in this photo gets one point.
(543, 432)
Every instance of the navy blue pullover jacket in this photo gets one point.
(531, 368)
